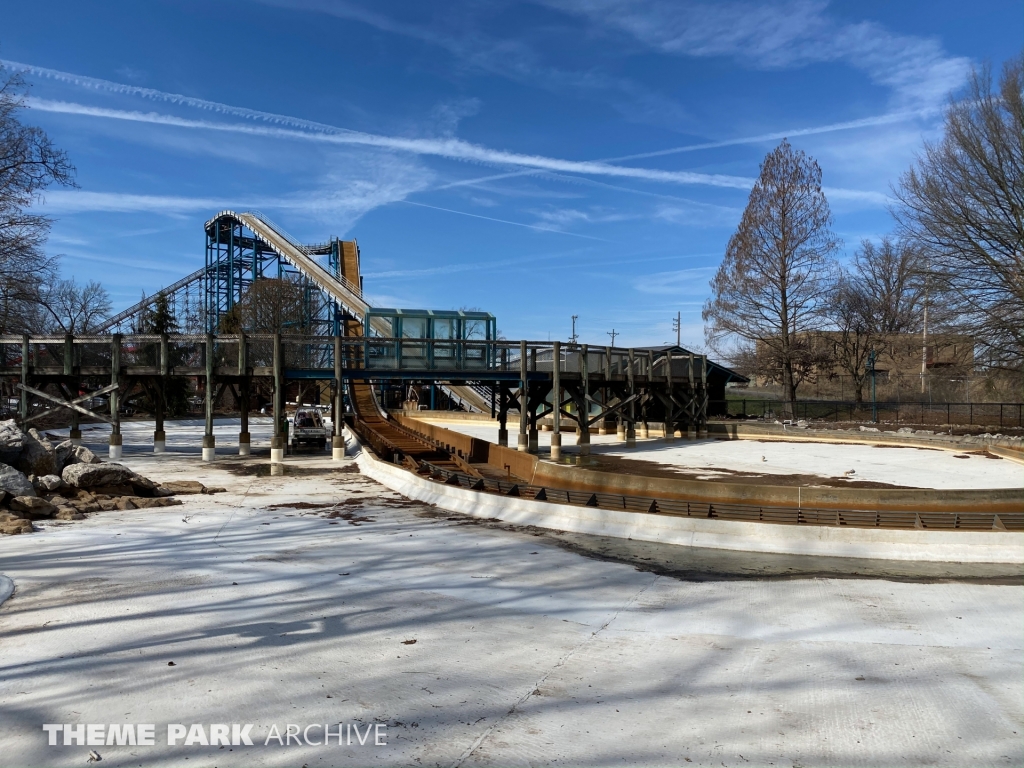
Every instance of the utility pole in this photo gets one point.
(677, 326)
(574, 338)
(613, 333)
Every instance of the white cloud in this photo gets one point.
(451, 148)
(781, 35)
(340, 198)
(681, 282)
(459, 32)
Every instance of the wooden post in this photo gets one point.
(631, 424)
(277, 441)
(24, 380)
(670, 424)
(160, 390)
(691, 427)
(75, 433)
(556, 400)
(534, 444)
(209, 442)
(524, 397)
(244, 436)
(115, 397)
(702, 403)
(337, 439)
(602, 429)
(583, 405)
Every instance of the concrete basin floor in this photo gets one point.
(529, 649)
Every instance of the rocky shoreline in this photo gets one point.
(41, 480)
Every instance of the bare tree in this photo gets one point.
(28, 164)
(963, 200)
(74, 308)
(778, 266)
(879, 298)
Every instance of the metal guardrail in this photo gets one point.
(850, 518)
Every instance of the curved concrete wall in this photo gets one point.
(931, 546)
(530, 468)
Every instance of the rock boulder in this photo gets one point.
(48, 482)
(62, 455)
(33, 506)
(36, 455)
(90, 475)
(183, 486)
(14, 482)
(15, 525)
(11, 442)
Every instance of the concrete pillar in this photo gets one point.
(691, 432)
(630, 436)
(75, 436)
(277, 449)
(620, 430)
(115, 446)
(159, 441)
(645, 431)
(209, 448)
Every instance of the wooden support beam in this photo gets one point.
(70, 404)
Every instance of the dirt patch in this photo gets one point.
(287, 470)
(645, 468)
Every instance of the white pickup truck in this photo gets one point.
(308, 428)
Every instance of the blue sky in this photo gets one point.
(536, 160)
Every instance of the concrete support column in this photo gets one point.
(620, 430)
(75, 435)
(524, 399)
(691, 432)
(645, 431)
(209, 448)
(159, 441)
(115, 446)
(277, 449)
(556, 401)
